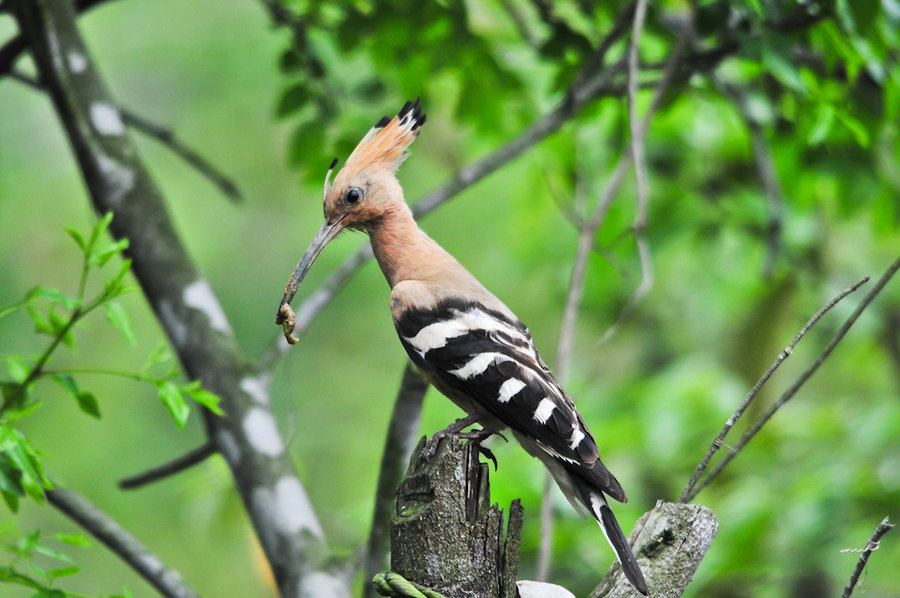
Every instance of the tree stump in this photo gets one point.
(445, 534)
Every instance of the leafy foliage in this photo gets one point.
(56, 315)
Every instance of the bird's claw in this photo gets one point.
(479, 436)
(474, 436)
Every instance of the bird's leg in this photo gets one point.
(456, 429)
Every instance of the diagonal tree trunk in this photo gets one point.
(247, 437)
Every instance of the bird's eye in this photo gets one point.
(353, 195)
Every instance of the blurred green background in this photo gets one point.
(818, 478)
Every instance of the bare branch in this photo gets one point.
(162, 577)
(639, 129)
(688, 494)
(398, 447)
(589, 230)
(198, 455)
(167, 138)
(871, 546)
(790, 392)
(12, 49)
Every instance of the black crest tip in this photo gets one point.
(333, 164)
(383, 122)
(412, 111)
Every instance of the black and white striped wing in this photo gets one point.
(491, 359)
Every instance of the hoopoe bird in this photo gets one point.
(468, 344)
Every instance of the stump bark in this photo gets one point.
(446, 534)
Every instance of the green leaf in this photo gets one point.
(88, 403)
(855, 127)
(49, 593)
(10, 575)
(11, 500)
(17, 368)
(58, 324)
(30, 478)
(118, 317)
(41, 323)
(63, 572)
(204, 397)
(102, 254)
(20, 413)
(73, 539)
(10, 487)
(824, 120)
(54, 296)
(77, 236)
(784, 71)
(294, 97)
(41, 573)
(160, 354)
(171, 397)
(67, 382)
(53, 554)
(101, 226)
(115, 286)
(25, 545)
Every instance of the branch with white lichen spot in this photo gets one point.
(247, 437)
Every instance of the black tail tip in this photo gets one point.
(617, 538)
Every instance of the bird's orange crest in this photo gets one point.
(385, 145)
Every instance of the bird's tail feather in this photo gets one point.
(616, 538)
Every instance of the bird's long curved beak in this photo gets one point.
(285, 315)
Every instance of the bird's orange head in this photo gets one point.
(366, 188)
(363, 192)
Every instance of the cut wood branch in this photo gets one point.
(669, 543)
(100, 525)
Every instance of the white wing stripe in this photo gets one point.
(478, 364)
(435, 336)
(544, 410)
(509, 388)
(476, 319)
(576, 437)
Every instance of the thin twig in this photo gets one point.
(688, 492)
(198, 455)
(398, 447)
(585, 244)
(638, 132)
(162, 577)
(790, 392)
(167, 138)
(871, 546)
